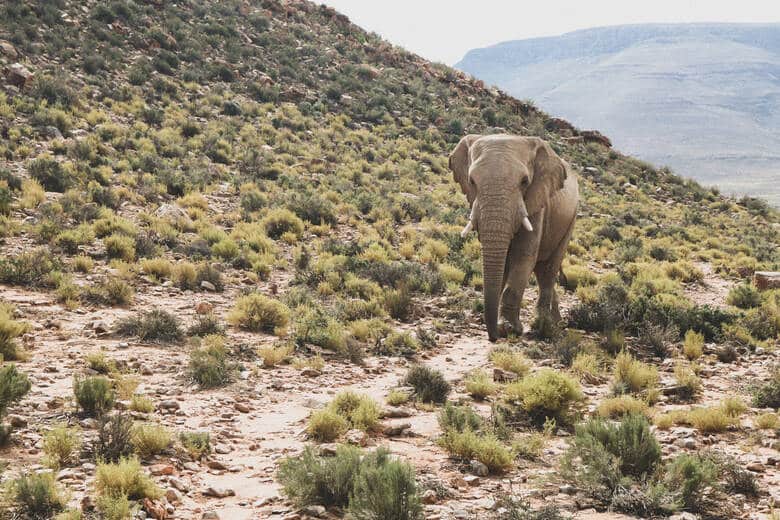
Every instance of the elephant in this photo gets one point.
(523, 200)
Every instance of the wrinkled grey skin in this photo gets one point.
(523, 201)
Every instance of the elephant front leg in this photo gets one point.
(520, 268)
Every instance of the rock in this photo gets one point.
(218, 492)
(204, 308)
(684, 516)
(766, 280)
(756, 467)
(430, 497)
(222, 449)
(503, 376)
(101, 327)
(89, 423)
(394, 430)
(472, 480)
(567, 489)
(397, 412)
(161, 469)
(205, 284)
(356, 437)
(316, 511)
(689, 443)
(155, 509)
(242, 407)
(210, 515)
(216, 464)
(594, 136)
(479, 469)
(179, 484)
(328, 449)
(173, 496)
(17, 421)
(169, 404)
(18, 75)
(461, 514)
(171, 211)
(8, 49)
(310, 372)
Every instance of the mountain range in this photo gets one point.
(703, 99)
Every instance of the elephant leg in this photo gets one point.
(546, 274)
(517, 280)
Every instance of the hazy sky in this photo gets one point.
(443, 30)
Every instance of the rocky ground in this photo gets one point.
(261, 418)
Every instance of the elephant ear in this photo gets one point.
(549, 175)
(459, 164)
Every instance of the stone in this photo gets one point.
(17, 421)
(205, 284)
(503, 376)
(756, 467)
(594, 136)
(216, 464)
(8, 49)
(173, 496)
(689, 443)
(479, 469)
(764, 280)
(179, 484)
(204, 308)
(567, 489)
(169, 404)
(218, 492)
(472, 480)
(397, 412)
(210, 515)
(310, 372)
(394, 430)
(316, 511)
(242, 407)
(328, 449)
(429, 497)
(18, 75)
(222, 449)
(161, 469)
(356, 437)
(155, 509)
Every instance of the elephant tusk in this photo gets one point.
(527, 224)
(467, 228)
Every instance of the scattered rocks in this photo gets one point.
(210, 515)
(756, 467)
(310, 372)
(397, 412)
(217, 492)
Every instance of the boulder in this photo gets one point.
(766, 280)
(18, 75)
(594, 136)
(8, 50)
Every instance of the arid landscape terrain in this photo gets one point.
(233, 285)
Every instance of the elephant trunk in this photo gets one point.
(495, 233)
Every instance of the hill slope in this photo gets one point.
(219, 216)
(701, 98)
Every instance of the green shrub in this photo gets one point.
(114, 507)
(326, 425)
(155, 325)
(616, 407)
(142, 404)
(605, 456)
(744, 296)
(398, 303)
(767, 395)
(210, 366)
(510, 360)
(114, 437)
(112, 291)
(763, 322)
(310, 479)
(689, 383)
(206, 325)
(125, 478)
(61, 446)
(397, 397)
(10, 330)
(50, 173)
(399, 344)
(197, 444)
(384, 489)
(689, 475)
(547, 394)
(94, 395)
(566, 347)
(258, 313)
(632, 376)
(120, 246)
(149, 440)
(459, 418)
(29, 269)
(429, 384)
(693, 345)
(279, 221)
(479, 385)
(484, 447)
(37, 495)
(360, 411)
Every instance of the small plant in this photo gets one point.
(114, 437)
(733, 406)
(120, 246)
(616, 407)
(566, 347)
(125, 478)
(272, 356)
(384, 489)
(98, 362)
(155, 325)
(510, 360)
(480, 385)
(530, 446)
(744, 296)
(767, 395)
(486, 448)
(279, 221)
(61, 446)
(326, 425)
(310, 479)
(767, 421)
(360, 411)
(114, 507)
(547, 394)
(10, 330)
(149, 440)
(196, 444)
(206, 325)
(711, 420)
(397, 397)
(37, 495)
(210, 365)
(429, 384)
(632, 376)
(94, 395)
(688, 382)
(459, 418)
(13, 386)
(689, 475)
(140, 403)
(399, 344)
(258, 313)
(693, 345)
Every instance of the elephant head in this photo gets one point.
(508, 181)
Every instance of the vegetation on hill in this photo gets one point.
(279, 154)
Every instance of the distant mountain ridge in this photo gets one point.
(701, 98)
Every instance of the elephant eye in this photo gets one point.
(524, 181)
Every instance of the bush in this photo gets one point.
(384, 489)
(94, 395)
(397, 397)
(633, 376)
(120, 246)
(486, 448)
(604, 457)
(360, 411)
(547, 394)
(114, 507)
(399, 344)
(429, 384)
(149, 440)
(125, 478)
(711, 420)
(510, 360)
(155, 325)
(767, 395)
(61, 446)
(459, 418)
(258, 313)
(29, 269)
(50, 173)
(479, 385)
(209, 365)
(279, 221)
(142, 404)
(112, 291)
(744, 296)
(689, 475)
(114, 437)
(688, 382)
(619, 406)
(398, 303)
(566, 347)
(206, 325)
(10, 330)
(326, 425)
(310, 479)
(37, 495)
(693, 345)
(767, 421)
(196, 444)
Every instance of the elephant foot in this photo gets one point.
(505, 328)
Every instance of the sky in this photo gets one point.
(444, 30)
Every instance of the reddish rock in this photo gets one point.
(17, 74)
(161, 469)
(155, 509)
(204, 308)
(594, 136)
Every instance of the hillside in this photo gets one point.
(700, 98)
(230, 241)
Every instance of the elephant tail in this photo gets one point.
(562, 280)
